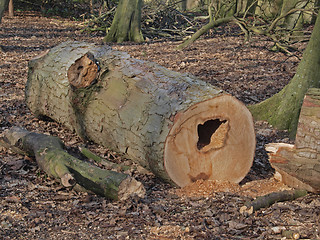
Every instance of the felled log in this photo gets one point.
(298, 165)
(177, 126)
(68, 170)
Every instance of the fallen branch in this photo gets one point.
(68, 170)
(204, 29)
(271, 198)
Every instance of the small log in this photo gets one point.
(299, 165)
(177, 126)
(70, 171)
(271, 198)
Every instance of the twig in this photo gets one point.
(109, 165)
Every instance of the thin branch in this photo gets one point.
(204, 29)
(275, 22)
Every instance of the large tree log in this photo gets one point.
(179, 127)
(70, 171)
(299, 164)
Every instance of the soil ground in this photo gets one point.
(34, 206)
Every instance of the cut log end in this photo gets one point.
(130, 187)
(212, 140)
(68, 180)
(83, 72)
(181, 128)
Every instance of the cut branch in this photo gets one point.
(70, 171)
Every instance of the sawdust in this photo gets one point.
(206, 188)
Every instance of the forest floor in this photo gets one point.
(34, 206)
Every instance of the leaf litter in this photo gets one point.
(34, 206)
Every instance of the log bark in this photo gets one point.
(177, 126)
(299, 164)
(68, 170)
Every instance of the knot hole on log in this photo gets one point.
(212, 134)
(84, 71)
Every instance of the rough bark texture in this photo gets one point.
(179, 127)
(70, 171)
(126, 25)
(299, 164)
(282, 110)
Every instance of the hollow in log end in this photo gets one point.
(212, 140)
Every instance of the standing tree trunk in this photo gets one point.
(3, 7)
(268, 8)
(244, 6)
(10, 8)
(294, 22)
(299, 164)
(282, 110)
(126, 25)
(179, 127)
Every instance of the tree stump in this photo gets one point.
(299, 164)
(177, 126)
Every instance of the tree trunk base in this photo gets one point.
(299, 165)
